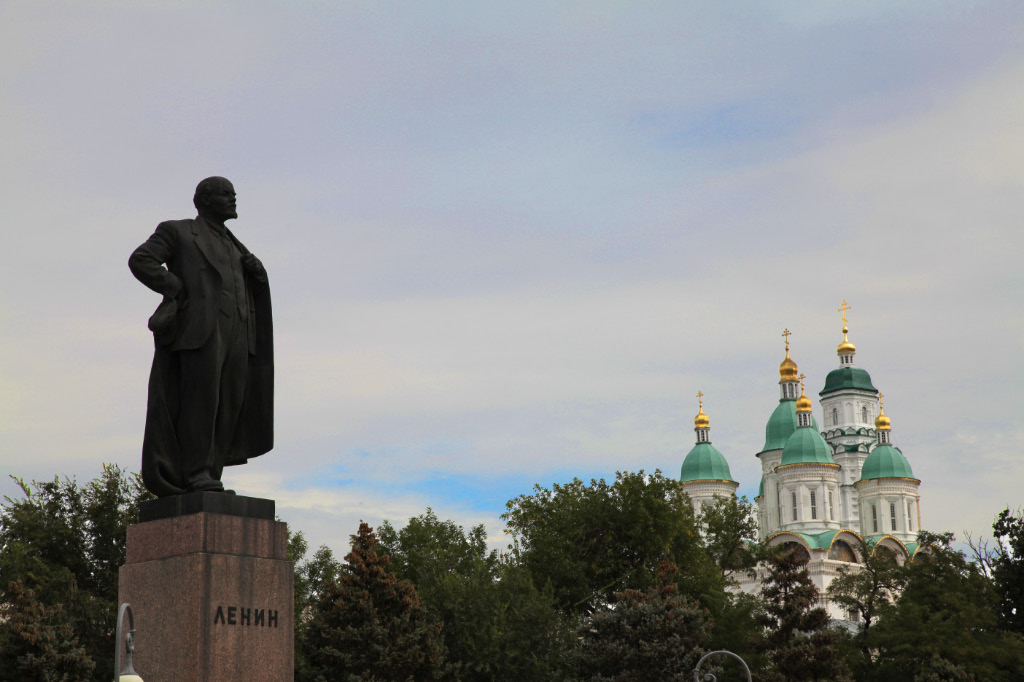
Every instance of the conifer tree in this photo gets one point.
(37, 643)
(797, 639)
(656, 635)
(371, 626)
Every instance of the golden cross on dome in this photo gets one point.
(842, 309)
(700, 402)
(881, 395)
(787, 334)
(801, 378)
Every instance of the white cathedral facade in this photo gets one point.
(823, 493)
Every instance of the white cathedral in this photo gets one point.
(821, 492)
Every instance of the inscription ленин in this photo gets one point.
(238, 615)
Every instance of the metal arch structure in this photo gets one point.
(129, 641)
(708, 677)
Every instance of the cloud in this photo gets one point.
(510, 243)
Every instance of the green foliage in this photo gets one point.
(729, 529)
(312, 579)
(737, 627)
(65, 545)
(497, 625)
(369, 625)
(797, 638)
(427, 548)
(37, 642)
(938, 669)
(656, 635)
(947, 610)
(1008, 569)
(870, 589)
(588, 542)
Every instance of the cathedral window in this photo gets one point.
(874, 519)
(910, 518)
(835, 416)
(831, 509)
(864, 414)
(794, 506)
(892, 515)
(814, 507)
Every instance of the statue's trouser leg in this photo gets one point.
(212, 388)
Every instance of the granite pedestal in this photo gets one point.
(211, 589)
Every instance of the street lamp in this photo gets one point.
(711, 678)
(128, 674)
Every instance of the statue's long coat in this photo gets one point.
(186, 250)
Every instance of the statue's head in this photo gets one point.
(215, 199)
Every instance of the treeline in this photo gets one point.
(600, 581)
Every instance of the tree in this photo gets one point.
(797, 639)
(497, 625)
(588, 542)
(869, 589)
(312, 578)
(37, 643)
(737, 626)
(938, 669)
(947, 610)
(369, 625)
(655, 635)
(729, 528)
(1008, 569)
(64, 545)
(427, 548)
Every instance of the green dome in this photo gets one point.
(806, 446)
(781, 425)
(847, 377)
(885, 461)
(705, 463)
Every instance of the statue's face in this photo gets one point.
(219, 201)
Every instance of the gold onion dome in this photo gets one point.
(788, 369)
(803, 403)
(881, 421)
(845, 347)
(701, 421)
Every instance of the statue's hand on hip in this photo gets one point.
(161, 323)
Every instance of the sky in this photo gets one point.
(509, 242)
